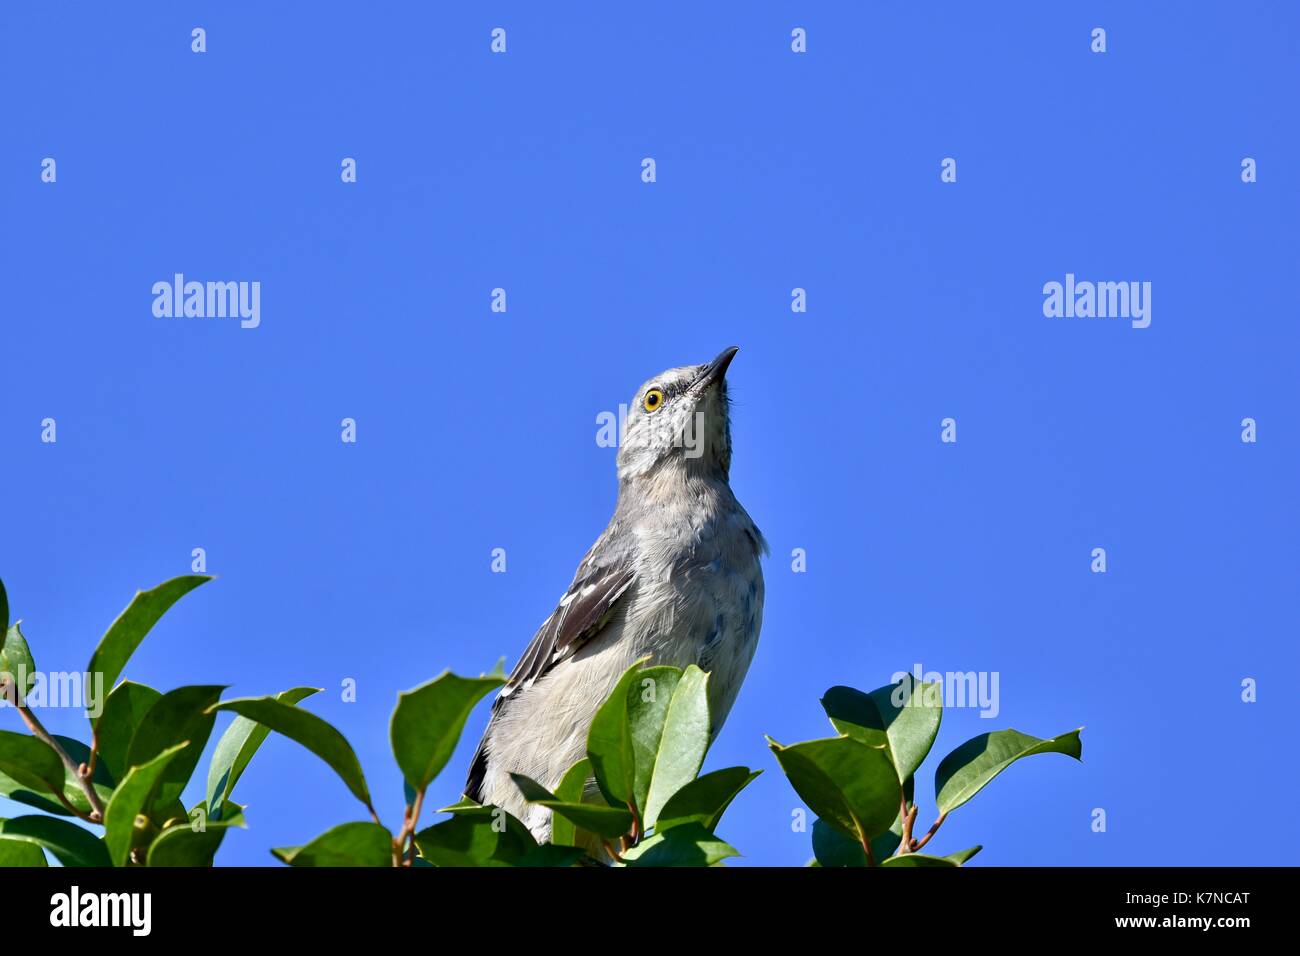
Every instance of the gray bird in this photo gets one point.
(675, 577)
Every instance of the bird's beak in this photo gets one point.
(715, 371)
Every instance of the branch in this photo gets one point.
(39, 731)
(404, 853)
(909, 821)
(415, 822)
(917, 844)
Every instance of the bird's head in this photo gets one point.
(679, 419)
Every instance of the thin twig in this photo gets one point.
(39, 731)
(917, 844)
(94, 753)
(909, 821)
(413, 824)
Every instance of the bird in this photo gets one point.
(675, 577)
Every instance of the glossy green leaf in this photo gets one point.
(43, 799)
(124, 709)
(232, 816)
(125, 634)
(572, 789)
(318, 736)
(463, 805)
(30, 764)
(130, 799)
(905, 716)
(350, 844)
(236, 748)
(185, 846)
(604, 821)
(686, 845)
(668, 744)
(961, 857)
(179, 715)
(552, 854)
(919, 860)
(15, 791)
(831, 848)
(704, 800)
(849, 784)
(16, 662)
(492, 839)
(71, 845)
(16, 852)
(969, 768)
(428, 721)
(609, 742)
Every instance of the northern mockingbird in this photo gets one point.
(675, 577)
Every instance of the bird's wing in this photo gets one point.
(602, 580)
(585, 608)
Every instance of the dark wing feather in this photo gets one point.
(585, 609)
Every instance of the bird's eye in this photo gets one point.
(653, 399)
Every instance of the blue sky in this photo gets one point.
(476, 430)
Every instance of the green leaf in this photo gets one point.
(185, 846)
(609, 742)
(847, 852)
(668, 745)
(236, 748)
(493, 839)
(130, 799)
(686, 845)
(849, 784)
(124, 708)
(604, 821)
(350, 844)
(125, 634)
(231, 817)
(905, 716)
(918, 859)
(571, 790)
(552, 854)
(71, 845)
(17, 852)
(16, 662)
(11, 788)
(318, 736)
(179, 715)
(961, 857)
(428, 721)
(969, 768)
(703, 801)
(463, 805)
(30, 763)
(833, 848)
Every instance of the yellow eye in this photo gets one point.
(653, 399)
